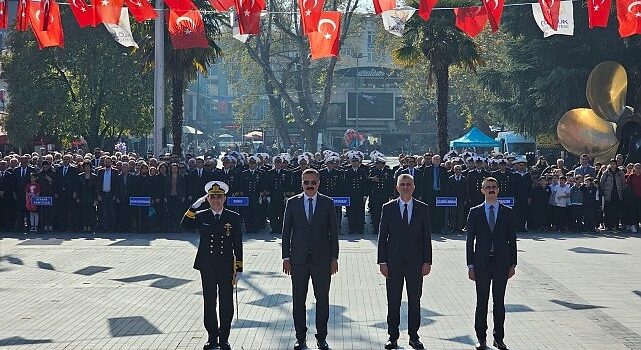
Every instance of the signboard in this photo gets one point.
(509, 201)
(42, 201)
(341, 201)
(446, 201)
(238, 201)
(140, 201)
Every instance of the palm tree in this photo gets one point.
(440, 44)
(183, 66)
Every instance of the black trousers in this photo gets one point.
(496, 278)
(321, 276)
(375, 209)
(276, 211)
(356, 214)
(252, 215)
(217, 287)
(394, 285)
(457, 217)
(613, 211)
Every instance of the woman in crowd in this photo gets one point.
(633, 184)
(46, 179)
(175, 194)
(612, 182)
(86, 199)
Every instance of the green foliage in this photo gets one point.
(92, 87)
(544, 78)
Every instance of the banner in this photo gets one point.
(394, 20)
(566, 20)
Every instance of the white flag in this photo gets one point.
(394, 20)
(233, 21)
(566, 19)
(121, 32)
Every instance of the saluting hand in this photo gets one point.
(199, 202)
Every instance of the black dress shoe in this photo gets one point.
(300, 345)
(211, 346)
(225, 345)
(391, 344)
(416, 344)
(499, 344)
(480, 346)
(322, 344)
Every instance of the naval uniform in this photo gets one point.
(220, 252)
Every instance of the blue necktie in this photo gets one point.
(310, 210)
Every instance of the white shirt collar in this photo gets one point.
(217, 212)
(401, 202)
(307, 197)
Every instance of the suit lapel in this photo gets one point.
(414, 207)
(484, 218)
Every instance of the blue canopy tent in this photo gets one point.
(474, 138)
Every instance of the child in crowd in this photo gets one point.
(32, 189)
(576, 203)
(561, 194)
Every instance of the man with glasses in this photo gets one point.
(491, 259)
(404, 256)
(310, 250)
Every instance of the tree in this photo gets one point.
(439, 45)
(288, 74)
(183, 66)
(92, 87)
(543, 78)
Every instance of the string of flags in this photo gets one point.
(322, 28)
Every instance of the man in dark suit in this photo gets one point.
(434, 184)
(491, 259)
(106, 192)
(20, 179)
(458, 187)
(197, 179)
(356, 187)
(66, 193)
(404, 256)
(220, 268)
(310, 249)
(6, 197)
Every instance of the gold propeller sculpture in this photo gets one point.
(594, 130)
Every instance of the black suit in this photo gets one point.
(433, 188)
(310, 248)
(490, 267)
(6, 200)
(459, 189)
(20, 180)
(66, 192)
(216, 265)
(404, 248)
(106, 200)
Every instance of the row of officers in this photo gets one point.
(310, 251)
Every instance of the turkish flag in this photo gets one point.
(53, 36)
(221, 5)
(494, 9)
(107, 11)
(425, 8)
(142, 10)
(551, 9)
(22, 15)
(471, 20)
(629, 16)
(84, 16)
(249, 15)
(187, 30)
(381, 6)
(324, 42)
(181, 5)
(598, 13)
(4, 14)
(310, 13)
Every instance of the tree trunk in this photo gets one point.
(442, 95)
(311, 137)
(276, 109)
(177, 89)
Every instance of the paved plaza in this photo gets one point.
(139, 291)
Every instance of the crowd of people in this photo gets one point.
(92, 191)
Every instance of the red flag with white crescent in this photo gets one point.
(107, 11)
(222, 5)
(181, 6)
(22, 15)
(598, 13)
(4, 14)
(471, 20)
(310, 13)
(629, 16)
(187, 30)
(425, 8)
(249, 15)
(142, 10)
(83, 14)
(324, 42)
(494, 9)
(551, 10)
(381, 6)
(54, 35)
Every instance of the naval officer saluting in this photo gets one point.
(219, 260)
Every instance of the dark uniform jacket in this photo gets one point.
(384, 188)
(506, 182)
(251, 183)
(220, 240)
(277, 182)
(331, 182)
(459, 189)
(355, 182)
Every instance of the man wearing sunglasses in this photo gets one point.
(491, 259)
(310, 250)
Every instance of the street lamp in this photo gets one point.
(357, 57)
